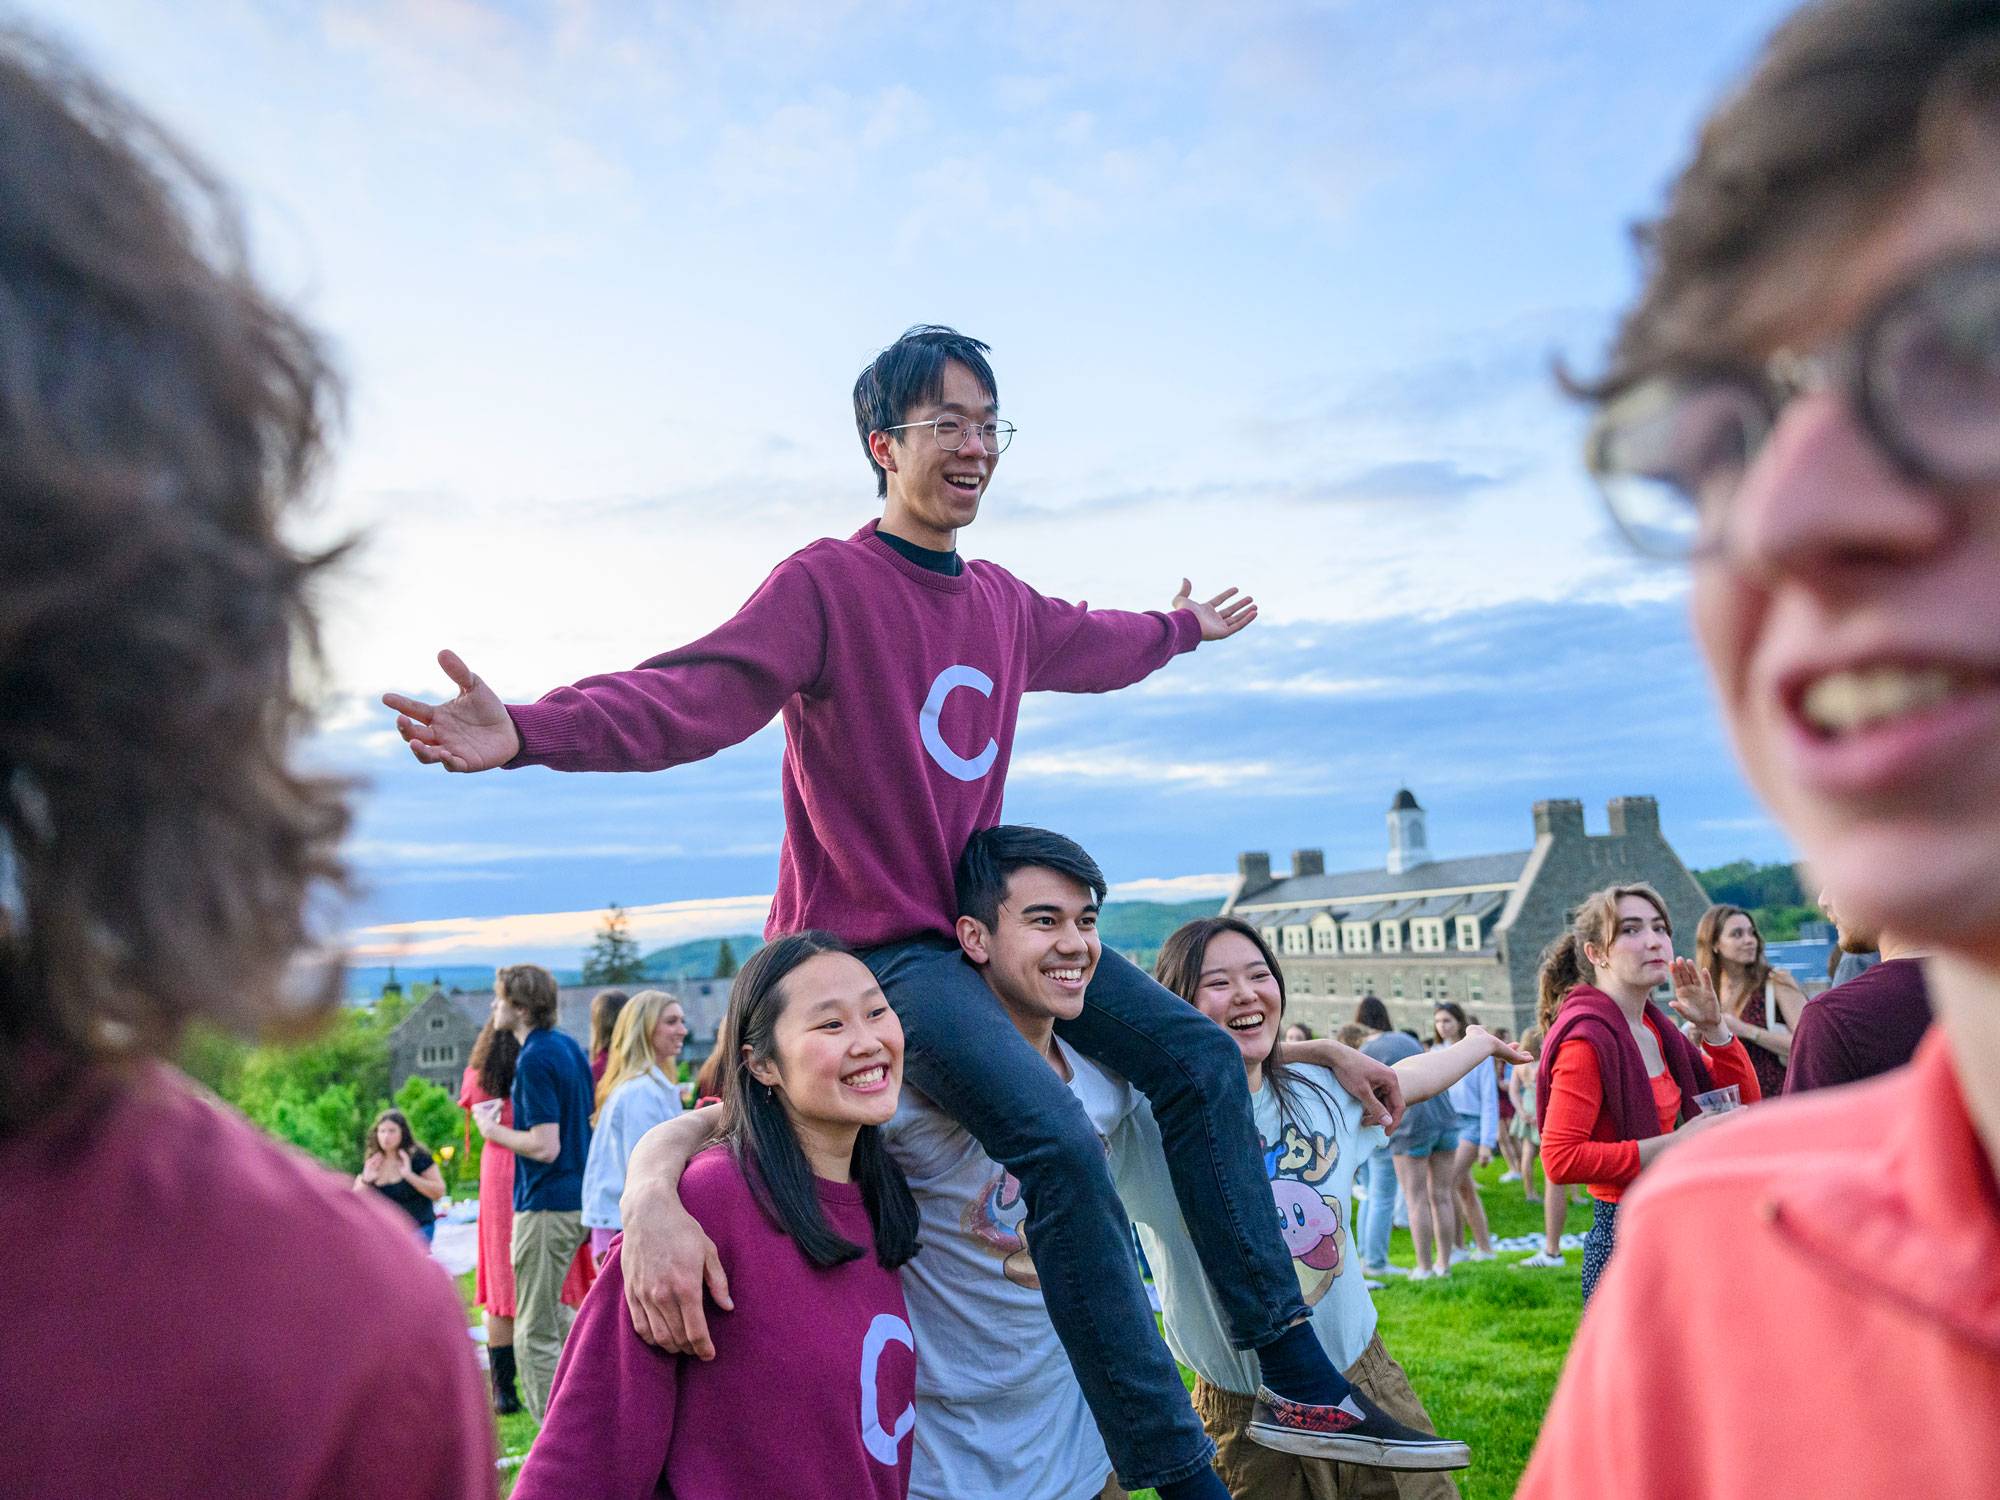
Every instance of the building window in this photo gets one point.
(1295, 940)
(1475, 992)
(1305, 984)
(1427, 934)
(1270, 936)
(1468, 934)
(437, 1023)
(1396, 986)
(1392, 937)
(437, 1057)
(1325, 937)
(1354, 937)
(1427, 988)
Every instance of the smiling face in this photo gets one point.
(1852, 622)
(1638, 958)
(1043, 948)
(669, 1032)
(1738, 942)
(1239, 992)
(836, 1048)
(932, 493)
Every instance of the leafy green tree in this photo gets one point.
(613, 956)
(440, 1124)
(725, 961)
(328, 1124)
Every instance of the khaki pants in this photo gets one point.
(1254, 1472)
(544, 1244)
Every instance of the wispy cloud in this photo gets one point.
(470, 938)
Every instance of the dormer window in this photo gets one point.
(1468, 934)
(1392, 937)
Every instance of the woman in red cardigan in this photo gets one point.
(1616, 1076)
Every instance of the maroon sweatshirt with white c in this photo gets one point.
(899, 689)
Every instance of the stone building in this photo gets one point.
(1471, 929)
(435, 1039)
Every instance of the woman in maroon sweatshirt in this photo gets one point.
(811, 1392)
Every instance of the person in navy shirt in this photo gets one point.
(550, 1137)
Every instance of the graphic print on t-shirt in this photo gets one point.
(1309, 1221)
(998, 1220)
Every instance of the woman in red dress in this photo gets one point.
(490, 1075)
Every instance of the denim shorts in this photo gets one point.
(1441, 1140)
(1468, 1127)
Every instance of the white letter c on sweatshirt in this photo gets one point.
(950, 679)
(882, 1442)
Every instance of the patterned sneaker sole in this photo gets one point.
(1367, 1452)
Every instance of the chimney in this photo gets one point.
(1635, 815)
(1561, 818)
(1255, 869)
(1308, 862)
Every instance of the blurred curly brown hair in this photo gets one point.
(158, 413)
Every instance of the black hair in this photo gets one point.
(993, 854)
(760, 1135)
(1369, 1011)
(909, 371)
(1179, 969)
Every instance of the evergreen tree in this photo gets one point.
(725, 960)
(613, 956)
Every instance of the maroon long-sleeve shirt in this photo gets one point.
(899, 689)
(811, 1394)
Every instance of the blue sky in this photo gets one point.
(1273, 292)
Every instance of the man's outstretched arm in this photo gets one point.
(677, 707)
(667, 1256)
(1077, 649)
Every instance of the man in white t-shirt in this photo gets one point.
(999, 1413)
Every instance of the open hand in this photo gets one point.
(1695, 1000)
(1221, 616)
(472, 732)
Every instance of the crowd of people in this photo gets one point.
(896, 1258)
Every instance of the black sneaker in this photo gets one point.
(1357, 1431)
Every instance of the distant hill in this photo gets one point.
(696, 959)
(1131, 927)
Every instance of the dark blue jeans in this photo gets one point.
(962, 1051)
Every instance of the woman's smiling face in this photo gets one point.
(1239, 992)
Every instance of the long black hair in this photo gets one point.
(760, 1135)
(1179, 969)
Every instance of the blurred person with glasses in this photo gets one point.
(1804, 404)
(898, 669)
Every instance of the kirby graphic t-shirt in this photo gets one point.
(999, 1413)
(1312, 1160)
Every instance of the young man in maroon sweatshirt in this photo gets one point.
(898, 668)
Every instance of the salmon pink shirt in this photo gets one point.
(1805, 1303)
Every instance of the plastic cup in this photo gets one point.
(1720, 1101)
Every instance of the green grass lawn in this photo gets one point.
(1483, 1348)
